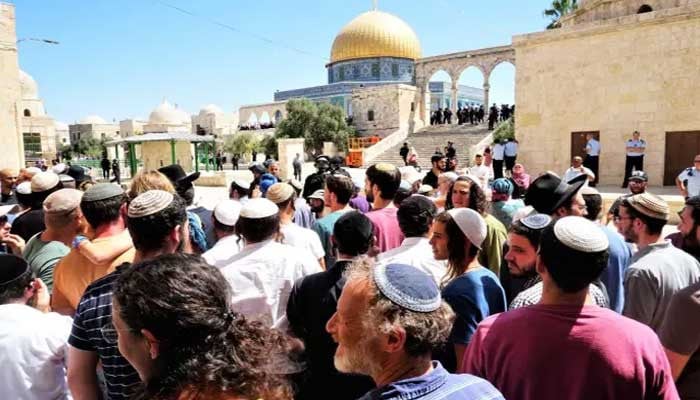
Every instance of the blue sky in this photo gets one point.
(120, 58)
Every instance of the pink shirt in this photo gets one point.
(568, 352)
(386, 228)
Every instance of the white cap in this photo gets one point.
(59, 168)
(471, 224)
(24, 188)
(227, 212)
(259, 208)
(44, 181)
(581, 234)
(242, 183)
(319, 194)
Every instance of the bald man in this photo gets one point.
(8, 180)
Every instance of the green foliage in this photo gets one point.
(558, 10)
(90, 147)
(268, 146)
(66, 151)
(505, 130)
(316, 123)
(242, 142)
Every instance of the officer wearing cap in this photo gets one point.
(688, 181)
(638, 182)
(391, 318)
(635, 155)
(316, 180)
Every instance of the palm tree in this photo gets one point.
(559, 9)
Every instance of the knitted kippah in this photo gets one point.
(149, 203)
(407, 287)
(581, 234)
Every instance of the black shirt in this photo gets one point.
(431, 179)
(8, 199)
(28, 224)
(312, 303)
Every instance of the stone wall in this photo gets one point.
(10, 93)
(391, 105)
(599, 10)
(635, 73)
(159, 154)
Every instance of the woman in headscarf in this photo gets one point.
(521, 181)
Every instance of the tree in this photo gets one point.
(241, 143)
(316, 123)
(268, 146)
(506, 130)
(89, 146)
(559, 9)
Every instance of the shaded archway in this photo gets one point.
(27, 113)
(278, 117)
(438, 95)
(645, 8)
(501, 83)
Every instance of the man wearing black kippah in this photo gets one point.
(32, 340)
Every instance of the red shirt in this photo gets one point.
(386, 228)
(569, 352)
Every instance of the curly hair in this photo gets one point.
(459, 256)
(149, 180)
(477, 196)
(206, 350)
(425, 332)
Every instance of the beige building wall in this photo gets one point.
(97, 131)
(639, 72)
(46, 128)
(10, 93)
(393, 107)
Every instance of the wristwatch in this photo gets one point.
(78, 240)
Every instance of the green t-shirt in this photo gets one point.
(43, 257)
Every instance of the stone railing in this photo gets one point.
(370, 153)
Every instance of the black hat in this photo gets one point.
(548, 192)
(177, 175)
(257, 168)
(11, 268)
(78, 173)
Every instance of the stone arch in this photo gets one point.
(645, 8)
(264, 118)
(252, 119)
(444, 94)
(278, 117)
(463, 79)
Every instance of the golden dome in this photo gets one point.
(375, 34)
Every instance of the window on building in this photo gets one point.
(375, 70)
(413, 106)
(32, 143)
(27, 113)
(370, 115)
(645, 9)
(395, 70)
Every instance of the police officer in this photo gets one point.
(317, 180)
(688, 181)
(635, 156)
(592, 156)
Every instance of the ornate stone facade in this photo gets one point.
(601, 10)
(10, 94)
(614, 76)
(383, 69)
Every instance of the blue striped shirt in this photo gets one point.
(95, 311)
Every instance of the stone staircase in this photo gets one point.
(428, 139)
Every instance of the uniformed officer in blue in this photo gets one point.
(635, 156)
(592, 156)
(688, 181)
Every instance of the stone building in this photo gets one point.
(614, 67)
(212, 120)
(374, 54)
(37, 128)
(10, 91)
(131, 127)
(95, 127)
(168, 118)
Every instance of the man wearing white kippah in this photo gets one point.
(228, 243)
(157, 222)
(263, 273)
(564, 347)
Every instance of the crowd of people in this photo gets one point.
(457, 285)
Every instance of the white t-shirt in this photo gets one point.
(227, 247)
(692, 175)
(482, 172)
(303, 238)
(593, 148)
(33, 350)
(417, 252)
(262, 276)
(572, 173)
(511, 149)
(498, 151)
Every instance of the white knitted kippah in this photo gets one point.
(149, 203)
(581, 234)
